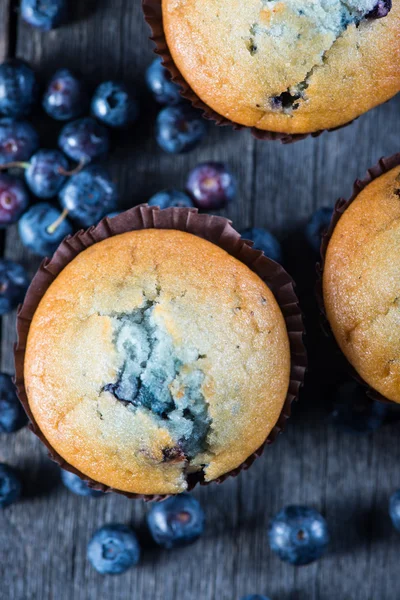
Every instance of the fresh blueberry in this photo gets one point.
(179, 129)
(14, 282)
(381, 9)
(159, 82)
(354, 411)
(18, 141)
(89, 195)
(42, 228)
(113, 549)
(255, 597)
(77, 486)
(177, 521)
(113, 214)
(114, 105)
(298, 535)
(44, 14)
(168, 198)
(14, 199)
(394, 509)
(317, 226)
(44, 173)
(84, 140)
(18, 88)
(12, 415)
(265, 241)
(10, 485)
(211, 185)
(65, 97)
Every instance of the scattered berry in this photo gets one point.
(298, 535)
(44, 14)
(77, 486)
(44, 174)
(159, 82)
(84, 140)
(13, 285)
(265, 241)
(354, 411)
(178, 521)
(113, 549)
(89, 195)
(394, 509)
(168, 198)
(18, 141)
(18, 88)
(179, 129)
(381, 9)
(317, 226)
(14, 199)
(114, 105)
(42, 228)
(10, 485)
(211, 185)
(65, 97)
(12, 415)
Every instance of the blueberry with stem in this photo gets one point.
(43, 227)
(14, 282)
(65, 97)
(18, 140)
(14, 199)
(18, 88)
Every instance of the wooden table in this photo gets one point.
(349, 478)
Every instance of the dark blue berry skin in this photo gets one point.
(18, 141)
(179, 129)
(113, 549)
(380, 10)
(14, 199)
(211, 185)
(89, 195)
(265, 241)
(159, 82)
(43, 175)
(34, 231)
(317, 226)
(14, 282)
(168, 198)
(84, 140)
(178, 521)
(44, 14)
(18, 88)
(12, 415)
(298, 535)
(77, 486)
(114, 105)
(394, 509)
(65, 97)
(255, 597)
(354, 412)
(10, 486)
(113, 214)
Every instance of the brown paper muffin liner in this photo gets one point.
(153, 14)
(384, 165)
(217, 230)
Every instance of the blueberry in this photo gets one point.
(394, 509)
(77, 486)
(42, 228)
(89, 195)
(18, 88)
(84, 140)
(12, 415)
(255, 597)
(114, 105)
(111, 215)
(14, 282)
(211, 185)
(65, 97)
(168, 198)
(265, 241)
(381, 9)
(44, 14)
(159, 82)
(14, 199)
(113, 549)
(317, 226)
(179, 129)
(44, 173)
(10, 485)
(298, 535)
(18, 141)
(178, 521)
(354, 411)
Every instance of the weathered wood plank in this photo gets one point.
(5, 16)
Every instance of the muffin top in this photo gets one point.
(291, 66)
(361, 284)
(155, 354)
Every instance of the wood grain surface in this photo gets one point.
(348, 477)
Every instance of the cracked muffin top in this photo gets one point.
(155, 354)
(361, 284)
(290, 66)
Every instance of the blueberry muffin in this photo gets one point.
(361, 284)
(154, 355)
(290, 66)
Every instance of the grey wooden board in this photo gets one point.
(43, 539)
